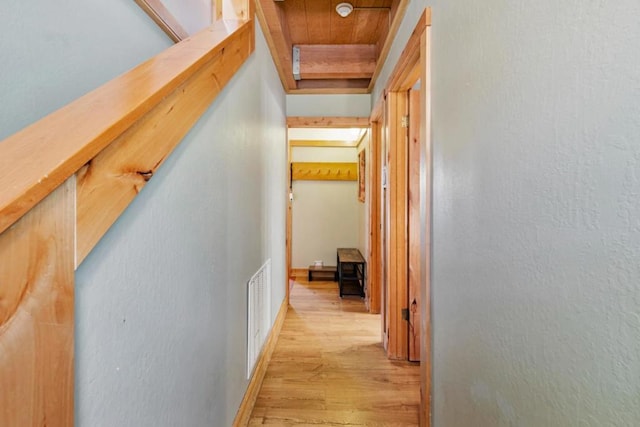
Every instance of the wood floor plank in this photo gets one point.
(329, 367)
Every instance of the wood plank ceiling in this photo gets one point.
(336, 54)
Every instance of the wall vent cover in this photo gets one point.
(258, 318)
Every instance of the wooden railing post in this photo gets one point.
(36, 314)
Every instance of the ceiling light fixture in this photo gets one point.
(344, 9)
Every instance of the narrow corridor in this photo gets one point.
(329, 367)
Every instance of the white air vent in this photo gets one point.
(258, 322)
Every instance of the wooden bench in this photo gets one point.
(325, 271)
(352, 269)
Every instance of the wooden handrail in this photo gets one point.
(64, 181)
(37, 159)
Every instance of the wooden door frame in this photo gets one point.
(375, 182)
(414, 64)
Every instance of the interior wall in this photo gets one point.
(325, 214)
(536, 177)
(193, 15)
(54, 52)
(161, 301)
(329, 105)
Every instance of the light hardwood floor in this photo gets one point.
(329, 367)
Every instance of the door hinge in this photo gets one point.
(405, 314)
(405, 121)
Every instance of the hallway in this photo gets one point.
(329, 368)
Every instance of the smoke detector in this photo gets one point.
(344, 9)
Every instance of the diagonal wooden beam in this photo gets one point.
(276, 32)
(346, 61)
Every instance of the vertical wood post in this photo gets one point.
(398, 346)
(36, 314)
(373, 262)
(426, 185)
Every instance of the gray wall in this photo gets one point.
(329, 105)
(52, 52)
(161, 301)
(536, 211)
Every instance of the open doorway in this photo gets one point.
(326, 207)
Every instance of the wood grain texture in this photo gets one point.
(316, 21)
(324, 171)
(397, 268)
(111, 180)
(270, 15)
(373, 23)
(413, 233)
(165, 20)
(332, 86)
(236, 9)
(42, 156)
(329, 367)
(375, 226)
(36, 314)
(255, 383)
(345, 61)
(328, 122)
(426, 185)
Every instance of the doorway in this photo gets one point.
(325, 208)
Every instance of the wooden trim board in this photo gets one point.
(253, 389)
(397, 243)
(37, 314)
(374, 219)
(328, 122)
(426, 183)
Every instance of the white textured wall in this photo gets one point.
(329, 105)
(161, 301)
(193, 15)
(536, 207)
(53, 52)
(324, 213)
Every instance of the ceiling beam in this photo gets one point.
(331, 61)
(276, 33)
(328, 122)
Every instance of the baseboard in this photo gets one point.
(246, 406)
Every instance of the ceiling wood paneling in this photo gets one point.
(338, 55)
